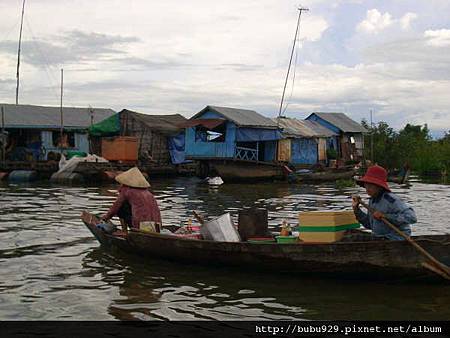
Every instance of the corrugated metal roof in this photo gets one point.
(342, 121)
(302, 128)
(164, 124)
(29, 116)
(241, 117)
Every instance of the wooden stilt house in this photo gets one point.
(306, 141)
(158, 139)
(349, 141)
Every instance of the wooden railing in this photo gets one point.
(247, 154)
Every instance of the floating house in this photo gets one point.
(305, 142)
(349, 142)
(158, 140)
(234, 143)
(34, 132)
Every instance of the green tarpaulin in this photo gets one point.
(107, 127)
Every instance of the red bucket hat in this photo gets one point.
(376, 175)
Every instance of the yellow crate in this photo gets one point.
(326, 218)
(321, 237)
(325, 226)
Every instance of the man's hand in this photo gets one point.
(378, 215)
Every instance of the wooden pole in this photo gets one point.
(444, 269)
(3, 137)
(61, 111)
(91, 112)
(371, 138)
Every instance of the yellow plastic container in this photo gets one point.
(149, 226)
(325, 226)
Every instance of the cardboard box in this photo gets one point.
(325, 226)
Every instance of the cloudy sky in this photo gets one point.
(161, 57)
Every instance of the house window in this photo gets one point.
(68, 139)
(216, 134)
(352, 140)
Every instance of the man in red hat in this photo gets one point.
(386, 205)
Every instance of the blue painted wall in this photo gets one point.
(81, 142)
(200, 149)
(46, 138)
(270, 151)
(304, 151)
(197, 149)
(332, 142)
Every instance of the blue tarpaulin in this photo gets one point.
(304, 151)
(176, 149)
(253, 135)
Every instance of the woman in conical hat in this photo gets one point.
(386, 205)
(134, 191)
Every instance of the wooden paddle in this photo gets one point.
(436, 266)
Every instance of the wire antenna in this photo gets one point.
(18, 53)
(300, 10)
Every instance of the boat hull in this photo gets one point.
(231, 171)
(361, 259)
(325, 176)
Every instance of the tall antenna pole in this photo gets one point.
(61, 110)
(300, 10)
(18, 53)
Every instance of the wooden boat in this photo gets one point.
(231, 171)
(356, 256)
(322, 176)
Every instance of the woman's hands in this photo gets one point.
(356, 201)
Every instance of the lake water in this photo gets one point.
(52, 268)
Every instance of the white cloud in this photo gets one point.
(313, 27)
(375, 21)
(438, 38)
(405, 20)
(177, 57)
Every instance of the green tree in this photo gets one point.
(417, 148)
(384, 143)
(412, 144)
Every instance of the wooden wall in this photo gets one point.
(153, 146)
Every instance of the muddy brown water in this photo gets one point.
(52, 268)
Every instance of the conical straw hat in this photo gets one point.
(133, 178)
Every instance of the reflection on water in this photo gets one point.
(52, 267)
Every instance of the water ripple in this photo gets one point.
(53, 268)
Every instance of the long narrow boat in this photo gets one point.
(357, 256)
(321, 176)
(235, 171)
